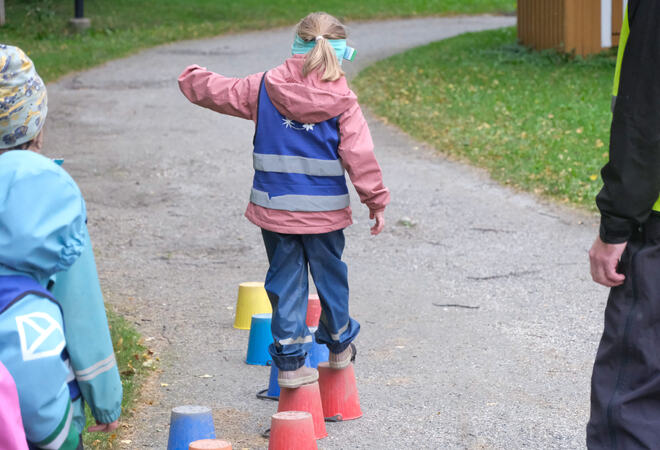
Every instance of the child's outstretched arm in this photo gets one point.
(234, 96)
(356, 150)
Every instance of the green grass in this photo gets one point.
(120, 27)
(135, 362)
(537, 121)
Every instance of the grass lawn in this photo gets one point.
(120, 27)
(537, 121)
(134, 361)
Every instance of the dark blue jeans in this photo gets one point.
(287, 286)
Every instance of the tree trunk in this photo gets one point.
(2, 12)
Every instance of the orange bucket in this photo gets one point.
(339, 395)
(313, 311)
(305, 398)
(292, 430)
(210, 444)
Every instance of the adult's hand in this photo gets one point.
(380, 221)
(104, 427)
(604, 259)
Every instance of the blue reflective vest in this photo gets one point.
(13, 288)
(33, 351)
(297, 165)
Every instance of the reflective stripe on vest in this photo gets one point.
(623, 40)
(297, 165)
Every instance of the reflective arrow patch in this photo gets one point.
(41, 336)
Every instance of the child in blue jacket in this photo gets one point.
(42, 231)
(23, 108)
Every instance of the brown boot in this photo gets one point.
(296, 378)
(342, 359)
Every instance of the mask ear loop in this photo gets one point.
(349, 53)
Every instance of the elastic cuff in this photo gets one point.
(107, 417)
(616, 231)
(337, 347)
(288, 363)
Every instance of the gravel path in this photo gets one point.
(167, 183)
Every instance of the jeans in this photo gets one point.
(290, 256)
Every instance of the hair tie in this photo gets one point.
(318, 38)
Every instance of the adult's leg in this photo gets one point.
(336, 328)
(625, 386)
(287, 288)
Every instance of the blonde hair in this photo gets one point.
(322, 56)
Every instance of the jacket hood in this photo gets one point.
(42, 215)
(306, 99)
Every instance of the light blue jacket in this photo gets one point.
(42, 235)
(42, 231)
(88, 339)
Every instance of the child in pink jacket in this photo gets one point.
(12, 435)
(309, 130)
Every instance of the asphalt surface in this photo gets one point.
(167, 183)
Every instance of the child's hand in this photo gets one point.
(380, 221)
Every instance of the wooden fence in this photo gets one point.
(580, 26)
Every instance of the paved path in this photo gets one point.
(167, 182)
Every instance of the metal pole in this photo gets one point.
(2, 12)
(79, 9)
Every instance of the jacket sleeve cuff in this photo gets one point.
(614, 230)
(107, 416)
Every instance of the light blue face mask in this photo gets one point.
(343, 51)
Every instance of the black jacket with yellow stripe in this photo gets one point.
(632, 176)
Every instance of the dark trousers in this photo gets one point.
(289, 256)
(625, 385)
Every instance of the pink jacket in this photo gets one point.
(12, 435)
(305, 100)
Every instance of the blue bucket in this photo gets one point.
(260, 339)
(188, 424)
(318, 354)
(273, 391)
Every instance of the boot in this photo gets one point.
(296, 378)
(342, 359)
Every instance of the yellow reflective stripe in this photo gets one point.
(623, 40)
(656, 207)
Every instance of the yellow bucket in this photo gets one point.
(252, 299)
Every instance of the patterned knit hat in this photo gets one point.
(23, 101)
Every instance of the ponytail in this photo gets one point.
(323, 57)
(322, 26)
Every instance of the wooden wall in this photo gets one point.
(541, 23)
(582, 26)
(617, 20)
(566, 25)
